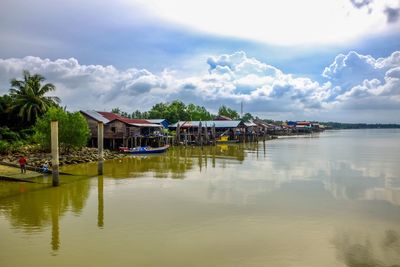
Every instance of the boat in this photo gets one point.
(225, 140)
(144, 150)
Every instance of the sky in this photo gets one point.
(332, 60)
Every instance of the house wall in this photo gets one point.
(92, 126)
(115, 130)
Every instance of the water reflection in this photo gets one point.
(175, 164)
(100, 201)
(313, 186)
(34, 208)
(361, 249)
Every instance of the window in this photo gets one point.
(113, 129)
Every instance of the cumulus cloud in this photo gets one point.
(85, 85)
(348, 71)
(354, 81)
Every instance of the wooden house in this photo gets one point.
(120, 131)
(191, 130)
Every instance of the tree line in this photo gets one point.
(178, 111)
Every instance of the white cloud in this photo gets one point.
(356, 82)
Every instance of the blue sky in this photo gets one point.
(336, 60)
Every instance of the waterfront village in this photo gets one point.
(120, 131)
(123, 132)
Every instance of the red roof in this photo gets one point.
(112, 116)
(222, 118)
(303, 123)
(109, 115)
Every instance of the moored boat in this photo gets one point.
(144, 150)
(225, 140)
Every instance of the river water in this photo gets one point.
(330, 199)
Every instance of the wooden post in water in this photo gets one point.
(206, 134)
(178, 134)
(186, 137)
(200, 134)
(100, 141)
(54, 152)
(214, 137)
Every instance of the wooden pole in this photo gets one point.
(186, 137)
(214, 137)
(54, 153)
(200, 130)
(100, 140)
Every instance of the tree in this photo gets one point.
(228, 112)
(247, 117)
(29, 100)
(158, 111)
(116, 110)
(197, 113)
(73, 129)
(177, 111)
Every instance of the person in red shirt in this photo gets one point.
(22, 164)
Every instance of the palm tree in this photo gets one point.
(29, 96)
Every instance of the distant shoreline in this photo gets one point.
(343, 126)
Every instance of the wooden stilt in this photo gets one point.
(100, 143)
(54, 153)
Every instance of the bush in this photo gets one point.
(4, 147)
(7, 134)
(27, 134)
(10, 147)
(73, 129)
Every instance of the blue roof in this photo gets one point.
(156, 120)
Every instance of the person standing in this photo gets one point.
(22, 164)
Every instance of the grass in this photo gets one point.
(16, 173)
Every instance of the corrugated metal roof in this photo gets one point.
(156, 120)
(145, 125)
(95, 115)
(109, 115)
(250, 124)
(218, 124)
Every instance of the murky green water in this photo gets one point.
(328, 200)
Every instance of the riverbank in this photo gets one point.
(37, 159)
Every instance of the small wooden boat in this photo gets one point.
(225, 140)
(143, 150)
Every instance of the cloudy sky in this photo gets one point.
(332, 60)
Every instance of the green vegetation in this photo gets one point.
(247, 117)
(173, 112)
(177, 111)
(28, 97)
(26, 113)
(73, 129)
(228, 112)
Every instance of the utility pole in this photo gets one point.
(241, 109)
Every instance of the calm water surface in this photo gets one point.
(332, 199)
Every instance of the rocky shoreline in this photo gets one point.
(37, 159)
